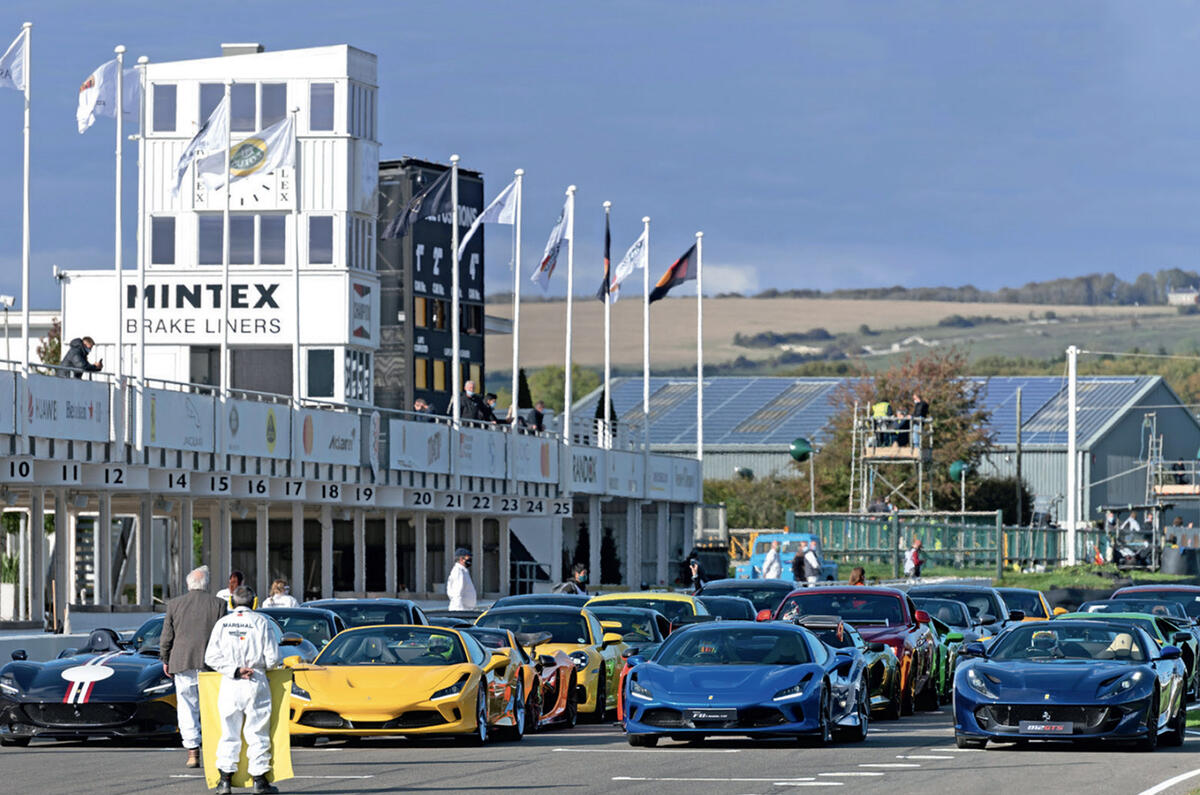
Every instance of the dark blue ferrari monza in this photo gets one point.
(1070, 680)
(739, 678)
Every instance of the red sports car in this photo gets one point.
(881, 615)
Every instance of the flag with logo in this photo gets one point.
(634, 259)
(558, 234)
(98, 95)
(12, 63)
(434, 200)
(261, 153)
(606, 283)
(502, 210)
(212, 137)
(681, 270)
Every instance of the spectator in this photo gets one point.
(468, 403)
(858, 576)
(881, 414)
(236, 578)
(798, 562)
(281, 596)
(812, 564)
(772, 567)
(422, 407)
(914, 560)
(698, 578)
(577, 583)
(487, 410)
(903, 425)
(1131, 524)
(537, 417)
(920, 413)
(459, 587)
(77, 357)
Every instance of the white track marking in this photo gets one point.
(1166, 785)
(337, 778)
(642, 750)
(922, 756)
(889, 764)
(958, 750)
(860, 773)
(679, 778)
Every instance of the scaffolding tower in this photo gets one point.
(886, 455)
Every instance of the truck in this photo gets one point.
(789, 543)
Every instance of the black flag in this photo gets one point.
(434, 200)
(606, 285)
(681, 270)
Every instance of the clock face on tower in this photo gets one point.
(271, 191)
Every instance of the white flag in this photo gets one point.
(12, 63)
(261, 153)
(98, 95)
(211, 137)
(502, 210)
(558, 234)
(635, 258)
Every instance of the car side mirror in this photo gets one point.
(290, 639)
(546, 660)
(973, 649)
(1170, 653)
(632, 651)
(20, 655)
(921, 617)
(954, 637)
(610, 624)
(499, 660)
(876, 647)
(764, 615)
(636, 659)
(293, 661)
(1180, 638)
(985, 618)
(609, 639)
(1016, 615)
(1061, 611)
(844, 652)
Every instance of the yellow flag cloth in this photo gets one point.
(280, 681)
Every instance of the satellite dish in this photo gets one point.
(801, 449)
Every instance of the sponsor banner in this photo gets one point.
(419, 446)
(535, 460)
(685, 480)
(178, 420)
(8, 402)
(587, 470)
(330, 437)
(625, 473)
(660, 477)
(481, 453)
(64, 408)
(251, 427)
(363, 310)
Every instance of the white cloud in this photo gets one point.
(730, 279)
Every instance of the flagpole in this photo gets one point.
(455, 342)
(570, 296)
(516, 333)
(295, 263)
(700, 349)
(607, 429)
(226, 370)
(120, 51)
(646, 338)
(25, 204)
(141, 241)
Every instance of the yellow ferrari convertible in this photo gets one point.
(402, 680)
(595, 651)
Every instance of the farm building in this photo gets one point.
(749, 423)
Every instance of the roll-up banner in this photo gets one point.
(535, 459)
(256, 428)
(65, 408)
(625, 473)
(481, 453)
(588, 475)
(8, 402)
(178, 420)
(331, 437)
(660, 478)
(685, 486)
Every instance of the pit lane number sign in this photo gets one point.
(456, 502)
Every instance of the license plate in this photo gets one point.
(711, 714)
(1047, 727)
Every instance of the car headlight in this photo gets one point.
(580, 659)
(164, 685)
(1122, 685)
(789, 692)
(452, 690)
(637, 691)
(9, 686)
(979, 684)
(300, 692)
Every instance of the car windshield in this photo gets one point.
(835, 638)
(568, 628)
(148, 635)
(1134, 606)
(314, 629)
(394, 646)
(1188, 600)
(855, 608)
(725, 646)
(490, 638)
(949, 613)
(365, 615)
(1028, 603)
(763, 598)
(978, 602)
(671, 608)
(1083, 640)
(1145, 623)
(729, 607)
(631, 623)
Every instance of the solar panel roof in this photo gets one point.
(769, 410)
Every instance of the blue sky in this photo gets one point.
(817, 144)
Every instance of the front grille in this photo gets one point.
(663, 718)
(761, 717)
(580, 694)
(1008, 717)
(322, 719)
(57, 715)
(414, 719)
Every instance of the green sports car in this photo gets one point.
(1163, 629)
(879, 661)
(949, 641)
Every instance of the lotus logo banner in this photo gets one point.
(261, 153)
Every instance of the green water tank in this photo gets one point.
(958, 469)
(801, 449)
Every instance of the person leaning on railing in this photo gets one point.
(77, 357)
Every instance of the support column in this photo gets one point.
(421, 550)
(660, 543)
(37, 556)
(144, 580)
(449, 533)
(298, 550)
(187, 555)
(556, 546)
(215, 565)
(595, 532)
(262, 551)
(505, 553)
(326, 552)
(73, 558)
(62, 556)
(633, 546)
(477, 551)
(360, 551)
(389, 551)
(22, 566)
(102, 552)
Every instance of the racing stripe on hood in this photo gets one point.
(80, 692)
(87, 690)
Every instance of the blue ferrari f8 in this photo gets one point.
(734, 678)
(1070, 680)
